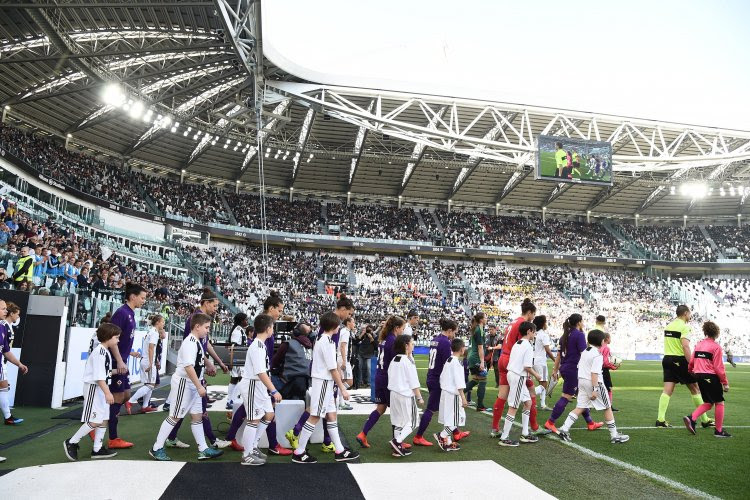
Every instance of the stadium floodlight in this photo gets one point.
(183, 170)
(694, 190)
(731, 190)
(70, 136)
(226, 146)
(637, 216)
(213, 143)
(184, 134)
(7, 107)
(268, 150)
(266, 155)
(113, 95)
(136, 110)
(189, 129)
(173, 129)
(722, 192)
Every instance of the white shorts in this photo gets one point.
(585, 390)
(404, 411)
(519, 393)
(95, 407)
(543, 371)
(451, 413)
(321, 397)
(150, 376)
(347, 373)
(255, 398)
(184, 398)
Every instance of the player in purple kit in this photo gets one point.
(440, 351)
(273, 306)
(124, 317)
(6, 338)
(394, 326)
(209, 305)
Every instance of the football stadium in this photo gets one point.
(347, 250)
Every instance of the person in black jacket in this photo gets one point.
(367, 347)
(292, 362)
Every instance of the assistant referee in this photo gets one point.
(675, 366)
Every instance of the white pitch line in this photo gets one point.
(681, 428)
(638, 470)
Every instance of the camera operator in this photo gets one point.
(292, 362)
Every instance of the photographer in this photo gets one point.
(367, 347)
(292, 362)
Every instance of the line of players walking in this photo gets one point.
(582, 361)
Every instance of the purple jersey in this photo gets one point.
(576, 345)
(440, 351)
(189, 328)
(124, 317)
(386, 353)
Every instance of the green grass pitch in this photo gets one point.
(549, 168)
(716, 467)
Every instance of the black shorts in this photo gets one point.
(711, 389)
(607, 378)
(676, 370)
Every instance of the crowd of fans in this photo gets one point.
(299, 216)
(670, 242)
(202, 203)
(376, 221)
(731, 240)
(100, 179)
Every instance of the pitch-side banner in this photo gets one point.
(78, 352)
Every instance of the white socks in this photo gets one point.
(98, 437)
(569, 422)
(230, 391)
(611, 427)
(542, 393)
(198, 434)
(164, 430)
(304, 437)
(82, 431)
(4, 404)
(262, 426)
(248, 437)
(509, 419)
(525, 422)
(333, 432)
(145, 392)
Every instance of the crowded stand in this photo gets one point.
(193, 202)
(82, 172)
(670, 242)
(732, 241)
(567, 237)
(376, 221)
(298, 216)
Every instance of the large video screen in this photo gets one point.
(563, 159)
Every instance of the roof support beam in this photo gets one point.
(267, 129)
(304, 135)
(359, 143)
(113, 53)
(557, 192)
(515, 179)
(474, 161)
(418, 151)
(610, 192)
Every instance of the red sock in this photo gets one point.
(703, 409)
(532, 418)
(719, 414)
(497, 412)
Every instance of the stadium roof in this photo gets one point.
(202, 65)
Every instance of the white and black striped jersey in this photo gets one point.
(98, 366)
(190, 354)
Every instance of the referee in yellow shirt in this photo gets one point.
(561, 159)
(675, 366)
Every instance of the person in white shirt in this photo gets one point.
(187, 391)
(452, 397)
(542, 351)
(591, 390)
(403, 384)
(343, 356)
(520, 366)
(324, 372)
(237, 338)
(257, 389)
(412, 319)
(96, 395)
(148, 366)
